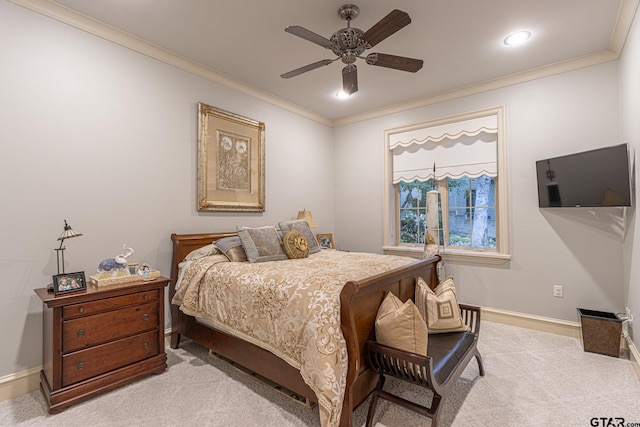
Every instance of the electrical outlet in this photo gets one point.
(557, 291)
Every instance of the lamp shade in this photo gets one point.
(68, 232)
(305, 214)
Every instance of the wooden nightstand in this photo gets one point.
(98, 340)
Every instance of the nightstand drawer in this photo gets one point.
(91, 330)
(83, 364)
(92, 307)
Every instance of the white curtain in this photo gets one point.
(463, 148)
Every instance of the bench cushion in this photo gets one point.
(447, 350)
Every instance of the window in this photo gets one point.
(462, 158)
(470, 206)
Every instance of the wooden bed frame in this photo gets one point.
(359, 304)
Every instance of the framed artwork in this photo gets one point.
(69, 282)
(230, 161)
(325, 241)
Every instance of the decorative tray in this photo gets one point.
(118, 280)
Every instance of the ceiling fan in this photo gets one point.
(350, 43)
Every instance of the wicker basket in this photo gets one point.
(601, 332)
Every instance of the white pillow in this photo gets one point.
(201, 252)
(439, 307)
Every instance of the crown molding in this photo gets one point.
(624, 20)
(626, 14)
(109, 33)
(501, 82)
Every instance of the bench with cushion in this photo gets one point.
(448, 354)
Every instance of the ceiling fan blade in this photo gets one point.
(308, 35)
(394, 21)
(350, 79)
(306, 68)
(396, 62)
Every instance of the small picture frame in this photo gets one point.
(325, 241)
(69, 282)
(143, 269)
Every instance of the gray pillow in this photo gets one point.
(232, 248)
(302, 226)
(261, 244)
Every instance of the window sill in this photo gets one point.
(490, 258)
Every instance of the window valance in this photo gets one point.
(458, 149)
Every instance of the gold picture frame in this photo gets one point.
(325, 241)
(230, 161)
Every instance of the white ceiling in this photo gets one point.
(460, 42)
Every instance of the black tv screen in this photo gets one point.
(593, 178)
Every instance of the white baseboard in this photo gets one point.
(21, 383)
(530, 321)
(558, 327)
(634, 355)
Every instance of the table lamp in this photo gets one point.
(68, 233)
(305, 214)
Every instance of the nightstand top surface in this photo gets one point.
(93, 292)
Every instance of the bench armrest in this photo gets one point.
(471, 317)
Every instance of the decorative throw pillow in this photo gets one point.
(201, 252)
(439, 307)
(295, 245)
(400, 326)
(261, 244)
(302, 226)
(232, 248)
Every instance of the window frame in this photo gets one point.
(391, 197)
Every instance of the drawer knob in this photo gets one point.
(80, 309)
(145, 346)
(80, 366)
(145, 316)
(80, 332)
(145, 297)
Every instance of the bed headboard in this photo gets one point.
(183, 244)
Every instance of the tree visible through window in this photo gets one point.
(463, 156)
(413, 209)
(470, 221)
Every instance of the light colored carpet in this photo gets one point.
(532, 379)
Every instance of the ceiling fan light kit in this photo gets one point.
(349, 44)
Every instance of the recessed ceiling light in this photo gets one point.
(517, 38)
(342, 95)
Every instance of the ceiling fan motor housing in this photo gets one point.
(348, 40)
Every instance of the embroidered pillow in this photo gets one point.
(295, 245)
(261, 244)
(302, 226)
(439, 307)
(232, 248)
(400, 326)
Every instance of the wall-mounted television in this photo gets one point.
(595, 178)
